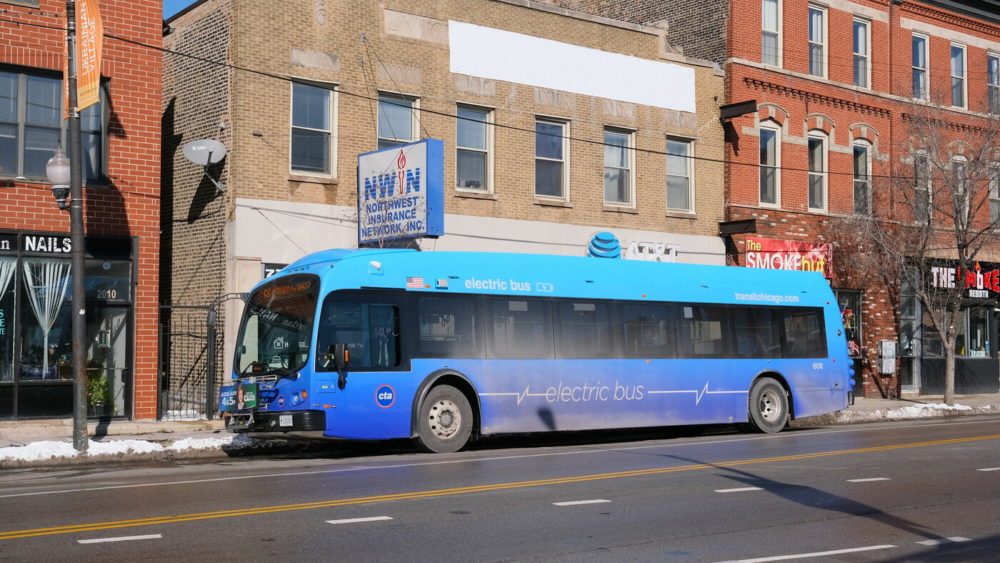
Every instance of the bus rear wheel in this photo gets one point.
(444, 422)
(768, 406)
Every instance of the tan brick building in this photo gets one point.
(556, 126)
(121, 170)
(838, 89)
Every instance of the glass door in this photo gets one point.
(108, 378)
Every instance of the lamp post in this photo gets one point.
(60, 169)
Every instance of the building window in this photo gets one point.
(770, 41)
(862, 179)
(680, 184)
(919, 66)
(850, 313)
(473, 140)
(397, 120)
(922, 188)
(313, 138)
(995, 195)
(958, 76)
(861, 49)
(618, 178)
(817, 41)
(551, 177)
(960, 179)
(770, 162)
(993, 76)
(817, 172)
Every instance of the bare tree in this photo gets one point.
(934, 216)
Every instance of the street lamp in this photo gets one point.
(58, 171)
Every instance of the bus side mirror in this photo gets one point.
(338, 356)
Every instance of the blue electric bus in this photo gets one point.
(443, 347)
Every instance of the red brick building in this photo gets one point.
(121, 168)
(834, 92)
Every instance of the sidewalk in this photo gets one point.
(48, 443)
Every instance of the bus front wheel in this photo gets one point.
(445, 420)
(768, 406)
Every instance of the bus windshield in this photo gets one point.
(277, 326)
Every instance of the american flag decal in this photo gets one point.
(415, 283)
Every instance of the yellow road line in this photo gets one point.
(14, 534)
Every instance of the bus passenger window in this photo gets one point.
(448, 327)
(703, 330)
(648, 331)
(756, 332)
(519, 328)
(584, 330)
(804, 334)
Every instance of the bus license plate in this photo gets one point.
(284, 420)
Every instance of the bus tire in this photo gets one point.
(444, 421)
(768, 406)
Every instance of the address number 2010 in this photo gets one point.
(107, 294)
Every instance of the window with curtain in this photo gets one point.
(7, 265)
(45, 335)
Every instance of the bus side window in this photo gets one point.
(369, 331)
(519, 328)
(448, 327)
(705, 329)
(647, 331)
(804, 334)
(584, 330)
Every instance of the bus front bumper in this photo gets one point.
(282, 421)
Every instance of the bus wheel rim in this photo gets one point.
(770, 405)
(445, 419)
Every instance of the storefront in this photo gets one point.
(921, 348)
(35, 333)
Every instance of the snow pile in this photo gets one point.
(916, 410)
(46, 450)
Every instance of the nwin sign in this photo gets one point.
(401, 192)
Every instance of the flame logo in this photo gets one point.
(401, 164)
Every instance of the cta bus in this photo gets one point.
(444, 347)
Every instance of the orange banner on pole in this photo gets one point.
(89, 42)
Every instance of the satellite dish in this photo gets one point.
(204, 151)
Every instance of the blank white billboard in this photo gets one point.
(523, 59)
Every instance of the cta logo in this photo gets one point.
(385, 396)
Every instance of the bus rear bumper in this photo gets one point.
(277, 422)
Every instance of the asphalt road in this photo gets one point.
(879, 492)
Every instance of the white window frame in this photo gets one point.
(960, 183)
(864, 57)
(820, 42)
(993, 82)
(629, 166)
(823, 174)
(776, 130)
(928, 211)
(390, 138)
(774, 32)
(564, 196)
(866, 206)
(959, 79)
(994, 181)
(925, 78)
(331, 131)
(488, 150)
(689, 170)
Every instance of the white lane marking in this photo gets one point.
(816, 554)
(122, 538)
(591, 450)
(359, 520)
(955, 539)
(577, 502)
(739, 490)
(868, 480)
(989, 469)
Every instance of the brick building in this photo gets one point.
(121, 140)
(840, 95)
(338, 79)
